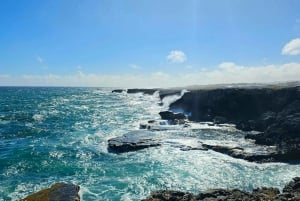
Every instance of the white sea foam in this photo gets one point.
(38, 117)
(168, 100)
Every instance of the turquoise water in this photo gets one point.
(49, 135)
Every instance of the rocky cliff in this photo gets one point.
(275, 112)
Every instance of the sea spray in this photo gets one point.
(168, 100)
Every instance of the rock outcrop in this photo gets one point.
(275, 112)
(290, 192)
(144, 91)
(57, 192)
(132, 141)
(118, 90)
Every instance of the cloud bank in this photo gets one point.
(226, 72)
(292, 47)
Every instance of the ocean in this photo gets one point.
(48, 135)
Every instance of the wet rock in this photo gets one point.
(166, 195)
(162, 125)
(291, 190)
(265, 193)
(190, 148)
(220, 120)
(133, 141)
(238, 152)
(290, 193)
(144, 91)
(167, 115)
(57, 192)
(118, 90)
(222, 194)
(274, 111)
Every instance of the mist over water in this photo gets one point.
(49, 135)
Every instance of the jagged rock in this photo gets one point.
(166, 195)
(167, 115)
(290, 193)
(220, 120)
(57, 192)
(221, 194)
(291, 190)
(265, 193)
(275, 112)
(238, 152)
(132, 141)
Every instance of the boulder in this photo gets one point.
(167, 115)
(57, 192)
(132, 141)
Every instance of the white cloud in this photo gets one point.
(176, 56)
(292, 47)
(226, 72)
(134, 66)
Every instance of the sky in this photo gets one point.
(153, 43)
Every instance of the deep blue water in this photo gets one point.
(49, 135)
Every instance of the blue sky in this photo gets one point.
(148, 43)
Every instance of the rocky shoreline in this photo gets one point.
(273, 111)
(291, 192)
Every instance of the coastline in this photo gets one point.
(214, 194)
(271, 111)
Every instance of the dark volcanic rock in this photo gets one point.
(118, 90)
(221, 194)
(144, 91)
(57, 192)
(238, 152)
(290, 193)
(169, 92)
(167, 115)
(291, 190)
(166, 195)
(273, 111)
(235, 104)
(132, 141)
(162, 92)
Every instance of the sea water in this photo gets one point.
(49, 135)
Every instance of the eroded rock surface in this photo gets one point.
(275, 112)
(291, 192)
(133, 141)
(57, 192)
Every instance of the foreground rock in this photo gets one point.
(275, 112)
(290, 192)
(57, 192)
(132, 141)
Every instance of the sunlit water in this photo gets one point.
(49, 135)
